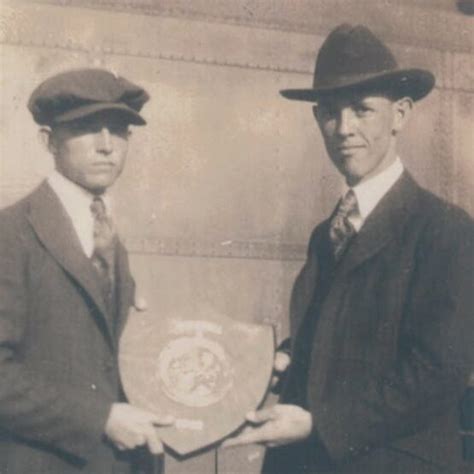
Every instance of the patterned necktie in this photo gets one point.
(103, 256)
(341, 230)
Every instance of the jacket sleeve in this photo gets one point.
(435, 354)
(67, 418)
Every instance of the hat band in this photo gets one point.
(86, 110)
(347, 80)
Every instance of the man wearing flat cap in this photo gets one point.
(65, 291)
(381, 313)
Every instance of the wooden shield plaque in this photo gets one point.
(204, 368)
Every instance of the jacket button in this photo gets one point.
(94, 386)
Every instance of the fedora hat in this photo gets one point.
(352, 57)
(79, 93)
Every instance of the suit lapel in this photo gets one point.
(316, 267)
(125, 286)
(382, 225)
(55, 230)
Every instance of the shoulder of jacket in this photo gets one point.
(15, 216)
(445, 223)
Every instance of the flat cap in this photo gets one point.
(81, 92)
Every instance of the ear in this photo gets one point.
(316, 111)
(402, 109)
(45, 137)
(317, 114)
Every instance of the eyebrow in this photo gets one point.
(345, 101)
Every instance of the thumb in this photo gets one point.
(162, 420)
(261, 416)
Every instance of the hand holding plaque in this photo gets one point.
(205, 369)
(274, 426)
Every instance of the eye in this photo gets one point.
(324, 111)
(361, 109)
(118, 129)
(82, 127)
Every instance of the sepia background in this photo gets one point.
(224, 185)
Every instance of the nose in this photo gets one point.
(345, 122)
(104, 142)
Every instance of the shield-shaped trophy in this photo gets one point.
(202, 367)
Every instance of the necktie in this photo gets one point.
(341, 230)
(104, 248)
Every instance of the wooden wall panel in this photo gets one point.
(424, 23)
(244, 289)
(463, 137)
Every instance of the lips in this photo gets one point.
(348, 147)
(348, 150)
(103, 165)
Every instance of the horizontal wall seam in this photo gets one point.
(175, 57)
(162, 56)
(229, 249)
(221, 257)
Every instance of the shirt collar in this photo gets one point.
(74, 197)
(370, 192)
(77, 201)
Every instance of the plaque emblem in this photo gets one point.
(194, 371)
(204, 368)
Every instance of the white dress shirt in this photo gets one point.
(77, 201)
(370, 192)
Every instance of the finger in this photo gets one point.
(139, 440)
(281, 362)
(250, 437)
(228, 441)
(231, 442)
(261, 416)
(275, 444)
(274, 381)
(120, 446)
(140, 304)
(163, 420)
(155, 446)
(155, 419)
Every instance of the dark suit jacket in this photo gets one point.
(58, 345)
(390, 346)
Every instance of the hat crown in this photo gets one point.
(67, 95)
(352, 57)
(349, 52)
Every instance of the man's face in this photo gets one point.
(91, 151)
(359, 133)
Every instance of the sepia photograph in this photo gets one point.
(237, 237)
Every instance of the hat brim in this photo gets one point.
(414, 83)
(130, 115)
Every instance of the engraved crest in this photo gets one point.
(194, 371)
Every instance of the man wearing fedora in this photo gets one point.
(65, 291)
(381, 313)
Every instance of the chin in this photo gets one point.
(96, 188)
(352, 176)
(100, 185)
